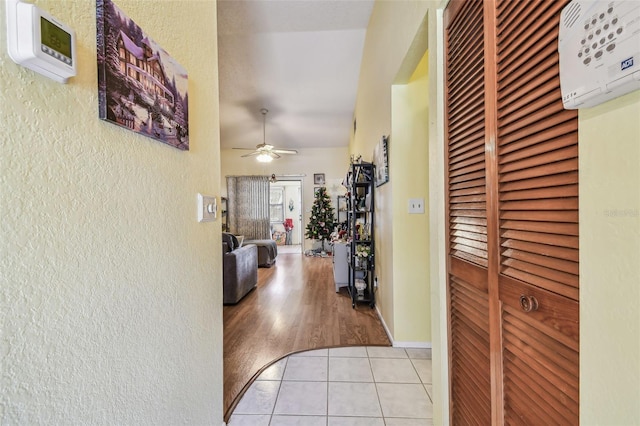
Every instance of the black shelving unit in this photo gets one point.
(224, 215)
(360, 218)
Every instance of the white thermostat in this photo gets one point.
(40, 42)
(599, 48)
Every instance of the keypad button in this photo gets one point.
(587, 60)
(611, 47)
(619, 31)
(598, 54)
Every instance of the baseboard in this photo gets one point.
(384, 325)
(408, 345)
(412, 345)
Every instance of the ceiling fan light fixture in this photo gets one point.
(264, 152)
(264, 158)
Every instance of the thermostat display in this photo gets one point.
(39, 41)
(55, 38)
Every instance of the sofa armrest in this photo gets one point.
(240, 273)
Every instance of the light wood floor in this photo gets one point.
(294, 308)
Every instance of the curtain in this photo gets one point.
(248, 208)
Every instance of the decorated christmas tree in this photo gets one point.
(321, 223)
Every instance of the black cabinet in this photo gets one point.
(360, 218)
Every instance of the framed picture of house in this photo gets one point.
(381, 160)
(318, 179)
(140, 86)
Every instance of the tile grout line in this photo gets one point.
(273, 410)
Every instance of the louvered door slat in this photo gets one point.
(466, 74)
(533, 146)
(556, 167)
(469, 353)
(467, 142)
(543, 215)
(470, 185)
(544, 250)
(551, 127)
(544, 227)
(530, 33)
(549, 262)
(545, 70)
(466, 78)
(465, 130)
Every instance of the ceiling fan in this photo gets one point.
(266, 153)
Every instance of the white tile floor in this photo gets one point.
(351, 386)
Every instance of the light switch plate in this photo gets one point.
(416, 206)
(207, 208)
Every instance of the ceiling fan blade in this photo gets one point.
(251, 154)
(245, 149)
(285, 151)
(273, 154)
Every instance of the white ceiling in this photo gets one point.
(300, 59)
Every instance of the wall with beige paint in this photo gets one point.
(110, 307)
(333, 162)
(410, 130)
(609, 142)
(394, 45)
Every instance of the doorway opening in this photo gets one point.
(285, 207)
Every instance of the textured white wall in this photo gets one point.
(110, 291)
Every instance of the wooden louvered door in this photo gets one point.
(512, 185)
(537, 143)
(467, 210)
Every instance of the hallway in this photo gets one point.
(294, 308)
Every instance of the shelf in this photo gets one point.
(366, 297)
(361, 212)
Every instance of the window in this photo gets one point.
(276, 205)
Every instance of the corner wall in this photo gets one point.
(111, 291)
(390, 57)
(409, 154)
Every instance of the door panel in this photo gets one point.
(512, 209)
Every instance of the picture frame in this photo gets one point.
(318, 179)
(381, 160)
(140, 86)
